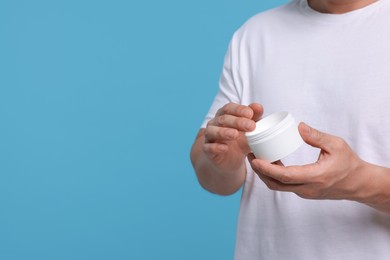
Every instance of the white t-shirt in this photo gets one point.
(332, 72)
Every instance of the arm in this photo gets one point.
(219, 151)
(338, 174)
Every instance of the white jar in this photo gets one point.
(275, 137)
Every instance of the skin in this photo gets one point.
(337, 174)
(219, 152)
(338, 6)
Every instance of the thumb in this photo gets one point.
(314, 137)
(257, 111)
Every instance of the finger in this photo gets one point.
(257, 111)
(287, 175)
(235, 110)
(251, 157)
(317, 138)
(230, 121)
(215, 133)
(212, 150)
(276, 185)
(272, 184)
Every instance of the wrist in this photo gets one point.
(374, 186)
(217, 179)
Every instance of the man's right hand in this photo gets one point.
(225, 143)
(219, 151)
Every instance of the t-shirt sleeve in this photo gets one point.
(229, 83)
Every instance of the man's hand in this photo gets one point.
(225, 143)
(219, 152)
(338, 173)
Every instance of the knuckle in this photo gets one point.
(286, 178)
(317, 135)
(246, 111)
(241, 123)
(240, 110)
(209, 149)
(226, 108)
(207, 133)
(206, 149)
(228, 133)
(223, 110)
(221, 120)
(219, 111)
(257, 168)
(309, 194)
(272, 185)
(338, 143)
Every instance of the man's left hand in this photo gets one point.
(337, 174)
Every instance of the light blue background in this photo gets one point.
(99, 104)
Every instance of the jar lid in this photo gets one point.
(269, 125)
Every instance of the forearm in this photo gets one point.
(218, 179)
(375, 190)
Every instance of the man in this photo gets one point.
(327, 62)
